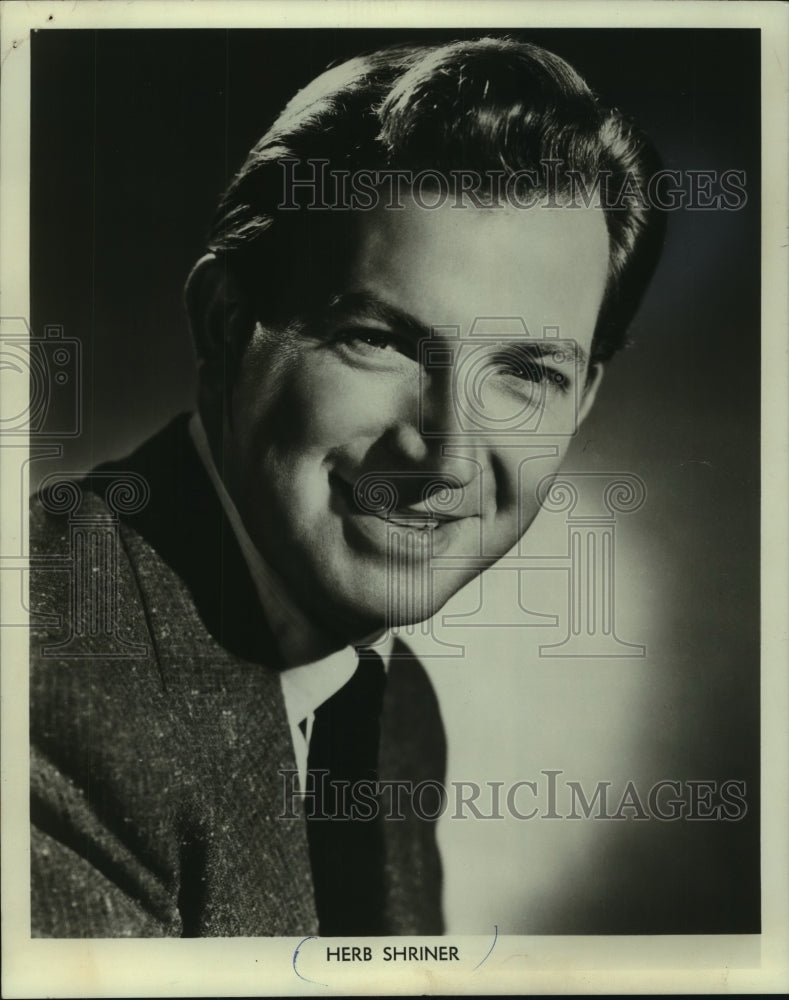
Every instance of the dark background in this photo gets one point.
(135, 134)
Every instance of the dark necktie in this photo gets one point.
(346, 853)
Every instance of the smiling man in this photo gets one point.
(411, 287)
(343, 395)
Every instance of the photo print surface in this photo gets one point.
(395, 459)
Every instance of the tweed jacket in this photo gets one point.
(158, 727)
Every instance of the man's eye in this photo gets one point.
(374, 338)
(530, 370)
(371, 342)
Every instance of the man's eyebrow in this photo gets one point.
(364, 304)
(548, 347)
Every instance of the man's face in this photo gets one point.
(345, 430)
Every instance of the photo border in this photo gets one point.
(560, 964)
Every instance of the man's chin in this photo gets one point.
(372, 613)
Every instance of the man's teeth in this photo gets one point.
(417, 523)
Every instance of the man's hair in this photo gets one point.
(486, 105)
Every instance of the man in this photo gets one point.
(430, 246)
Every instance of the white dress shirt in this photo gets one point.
(309, 680)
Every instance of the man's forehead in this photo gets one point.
(451, 265)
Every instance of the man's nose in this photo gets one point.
(430, 435)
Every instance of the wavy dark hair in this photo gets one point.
(489, 104)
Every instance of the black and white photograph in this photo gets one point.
(393, 513)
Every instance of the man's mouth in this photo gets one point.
(376, 520)
(411, 521)
(419, 516)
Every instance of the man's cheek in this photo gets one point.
(279, 419)
(336, 404)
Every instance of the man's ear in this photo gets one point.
(220, 320)
(589, 392)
